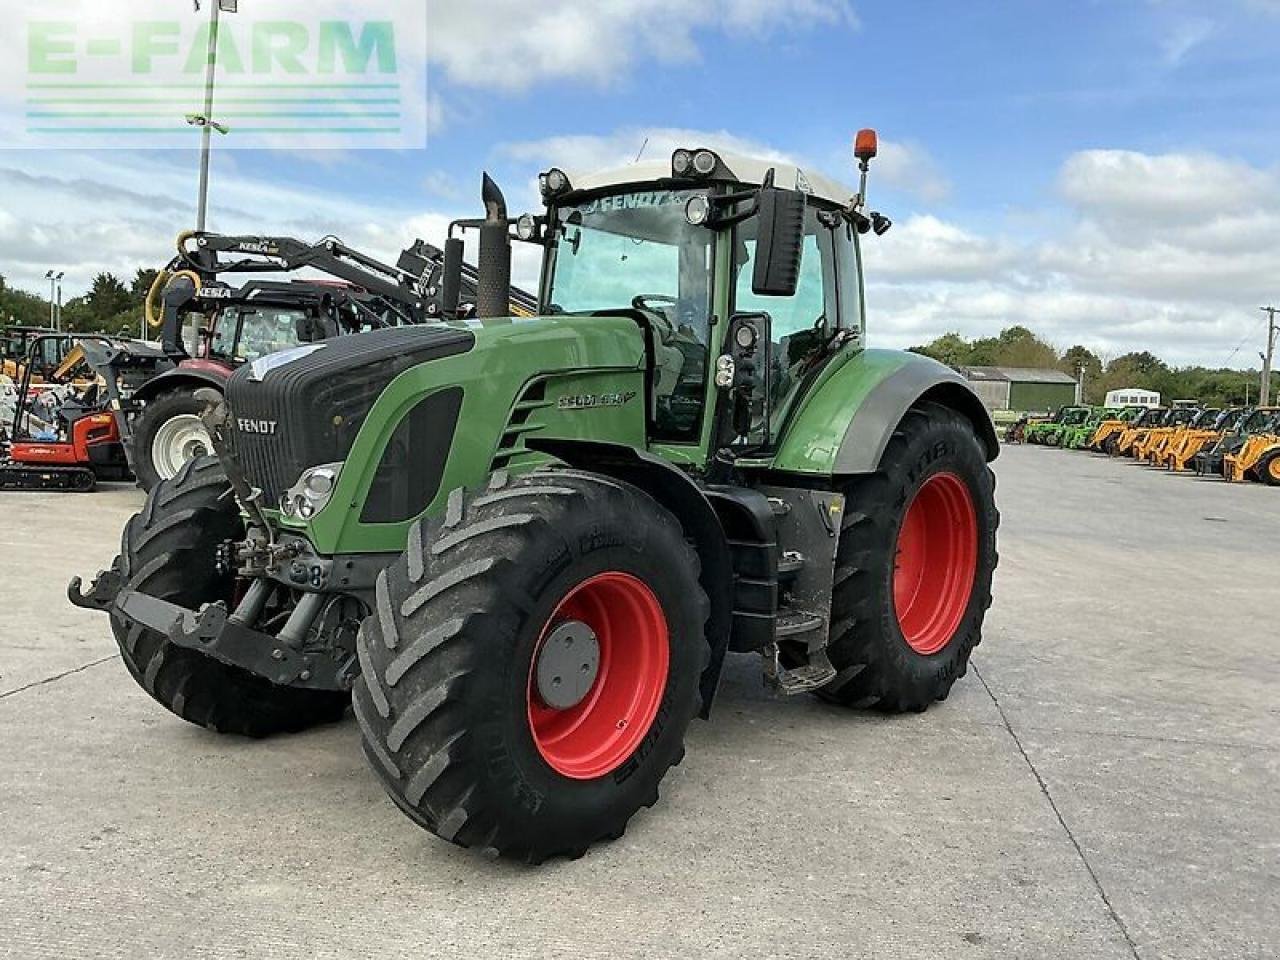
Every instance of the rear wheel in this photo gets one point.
(914, 567)
(169, 551)
(167, 435)
(533, 664)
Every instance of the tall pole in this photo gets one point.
(1268, 358)
(53, 318)
(58, 315)
(1080, 385)
(206, 131)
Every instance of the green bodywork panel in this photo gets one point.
(575, 356)
(811, 433)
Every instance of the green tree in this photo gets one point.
(107, 297)
(950, 348)
(1078, 357)
(1019, 347)
(142, 281)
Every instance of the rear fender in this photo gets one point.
(847, 421)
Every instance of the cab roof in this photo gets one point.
(734, 168)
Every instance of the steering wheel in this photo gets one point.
(647, 302)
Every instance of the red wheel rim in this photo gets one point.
(937, 560)
(599, 734)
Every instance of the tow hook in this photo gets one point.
(101, 594)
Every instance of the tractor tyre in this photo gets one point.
(913, 568)
(533, 663)
(168, 434)
(1268, 469)
(169, 551)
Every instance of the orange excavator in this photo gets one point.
(75, 442)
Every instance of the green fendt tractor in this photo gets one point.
(524, 547)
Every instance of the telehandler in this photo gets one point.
(1078, 436)
(1212, 460)
(1108, 431)
(1122, 444)
(524, 547)
(1259, 457)
(1150, 447)
(1050, 433)
(1182, 448)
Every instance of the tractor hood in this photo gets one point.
(407, 413)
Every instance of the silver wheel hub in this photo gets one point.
(178, 440)
(568, 664)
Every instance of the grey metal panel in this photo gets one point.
(873, 424)
(994, 394)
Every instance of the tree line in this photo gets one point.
(114, 306)
(111, 305)
(1019, 347)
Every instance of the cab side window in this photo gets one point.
(802, 324)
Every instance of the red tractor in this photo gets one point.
(160, 394)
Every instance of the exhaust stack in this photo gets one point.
(493, 289)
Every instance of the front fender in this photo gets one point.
(844, 425)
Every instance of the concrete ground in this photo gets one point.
(1105, 784)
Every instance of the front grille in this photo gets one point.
(308, 412)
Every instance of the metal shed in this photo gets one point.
(1021, 388)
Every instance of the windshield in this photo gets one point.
(250, 334)
(636, 251)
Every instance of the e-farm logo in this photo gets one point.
(124, 78)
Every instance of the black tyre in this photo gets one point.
(1268, 469)
(167, 434)
(169, 551)
(914, 567)
(475, 710)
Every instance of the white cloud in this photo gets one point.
(1170, 253)
(514, 44)
(911, 168)
(70, 211)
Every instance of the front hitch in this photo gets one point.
(102, 594)
(214, 632)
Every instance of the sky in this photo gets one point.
(1105, 172)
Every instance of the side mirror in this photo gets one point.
(779, 242)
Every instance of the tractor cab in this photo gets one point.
(744, 277)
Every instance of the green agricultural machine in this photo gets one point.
(524, 547)
(1077, 436)
(1050, 433)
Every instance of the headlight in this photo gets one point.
(698, 210)
(705, 163)
(312, 492)
(554, 182)
(527, 227)
(726, 371)
(681, 163)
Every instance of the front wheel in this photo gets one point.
(533, 664)
(169, 551)
(913, 568)
(1268, 469)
